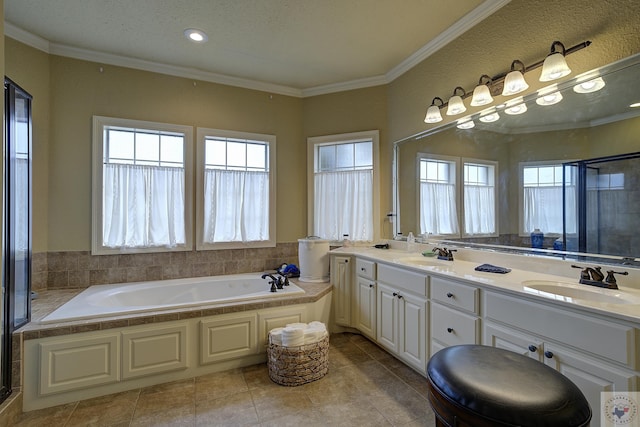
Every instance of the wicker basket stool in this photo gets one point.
(292, 366)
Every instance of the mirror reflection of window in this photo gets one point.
(479, 198)
(437, 203)
(542, 198)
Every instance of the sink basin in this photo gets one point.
(421, 261)
(570, 292)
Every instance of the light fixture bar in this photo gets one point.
(498, 80)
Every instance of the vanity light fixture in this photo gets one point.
(456, 106)
(549, 96)
(433, 112)
(555, 66)
(515, 82)
(465, 124)
(589, 86)
(516, 106)
(635, 105)
(490, 116)
(482, 94)
(511, 83)
(195, 35)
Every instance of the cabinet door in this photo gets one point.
(365, 307)
(341, 279)
(387, 317)
(154, 349)
(228, 337)
(452, 327)
(508, 339)
(412, 327)
(590, 375)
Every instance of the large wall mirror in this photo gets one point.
(568, 166)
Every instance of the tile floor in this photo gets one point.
(365, 386)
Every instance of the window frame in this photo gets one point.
(456, 161)
(99, 124)
(202, 134)
(521, 167)
(464, 161)
(344, 138)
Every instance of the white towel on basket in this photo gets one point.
(297, 334)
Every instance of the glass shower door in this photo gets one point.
(16, 280)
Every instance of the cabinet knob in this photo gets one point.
(399, 296)
(533, 348)
(449, 295)
(395, 294)
(363, 269)
(371, 285)
(450, 330)
(548, 354)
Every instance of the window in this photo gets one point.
(437, 206)
(141, 186)
(236, 189)
(542, 200)
(343, 186)
(479, 198)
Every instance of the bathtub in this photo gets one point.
(112, 300)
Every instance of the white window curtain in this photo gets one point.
(344, 205)
(143, 206)
(479, 209)
(236, 206)
(543, 209)
(438, 211)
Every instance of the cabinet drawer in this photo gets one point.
(455, 294)
(453, 327)
(614, 341)
(366, 269)
(400, 278)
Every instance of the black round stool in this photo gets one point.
(474, 385)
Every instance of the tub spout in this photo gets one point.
(272, 282)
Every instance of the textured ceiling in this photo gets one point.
(296, 44)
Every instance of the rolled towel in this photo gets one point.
(315, 332)
(317, 325)
(275, 336)
(292, 337)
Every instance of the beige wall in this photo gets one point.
(523, 29)
(29, 68)
(355, 111)
(81, 89)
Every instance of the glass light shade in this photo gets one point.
(549, 98)
(433, 115)
(514, 83)
(456, 106)
(465, 124)
(515, 107)
(490, 117)
(589, 86)
(554, 67)
(481, 96)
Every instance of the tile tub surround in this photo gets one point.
(80, 269)
(364, 386)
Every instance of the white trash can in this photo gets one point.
(313, 253)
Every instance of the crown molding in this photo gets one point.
(458, 28)
(465, 23)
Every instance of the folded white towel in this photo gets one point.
(275, 336)
(292, 337)
(315, 332)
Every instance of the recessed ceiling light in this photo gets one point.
(196, 36)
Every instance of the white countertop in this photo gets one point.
(523, 268)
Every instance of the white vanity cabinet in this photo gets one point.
(454, 314)
(401, 325)
(365, 298)
(341, 277)
(597, 354)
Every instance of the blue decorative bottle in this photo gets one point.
(537, 238)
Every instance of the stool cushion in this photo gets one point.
(507, 387)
